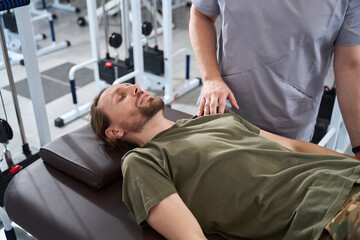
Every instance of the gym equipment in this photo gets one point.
(10, 22)
(165, 82)
(153, 56)
(12, 34)
(111, 8)
(56, 4)
(37, 97)
(23, 16)
(145, 80)
(12, 39)
(79, 111)
(6, 134)
(55, 46)
(111, 69)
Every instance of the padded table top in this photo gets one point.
(51, 204)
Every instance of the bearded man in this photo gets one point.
(219, 174)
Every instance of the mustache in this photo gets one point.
(138, 97)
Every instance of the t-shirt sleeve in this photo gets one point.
(249, 126)
(145, 184)
(208, 7)
(349, 34)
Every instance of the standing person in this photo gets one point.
(272, 59)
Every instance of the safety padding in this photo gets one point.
(80, 155)
(9, 4)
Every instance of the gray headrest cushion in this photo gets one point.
(80, 155)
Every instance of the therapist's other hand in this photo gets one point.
(213, 97)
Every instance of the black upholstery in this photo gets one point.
(51, 204)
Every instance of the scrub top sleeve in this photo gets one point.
(349, 34)
(207, 7)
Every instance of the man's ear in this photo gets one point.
(114, 132)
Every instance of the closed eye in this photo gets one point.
(120, 97)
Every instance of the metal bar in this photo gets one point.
(105, 16)
(127, 36)
(26, 33)
(94, 38)
(155, 22)
(137, 47)
(168, 75)
(124, 27)
(12, 83)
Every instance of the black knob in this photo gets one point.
(81, 21)
(115, 40)
(146, 28)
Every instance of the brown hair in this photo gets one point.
(99, 122)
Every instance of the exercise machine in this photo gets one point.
(12, 39)
(10, 22)
(36, 92)
(165, 82)
(147, 81)
(79, 111)
(111, 68)
(62, 6)
(111, 8)
(54, 46)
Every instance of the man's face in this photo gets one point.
(128, 107)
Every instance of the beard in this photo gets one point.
(138, 121)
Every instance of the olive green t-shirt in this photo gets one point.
(235, 182)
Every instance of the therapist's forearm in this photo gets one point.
(203, 40)
(349, 101)
(306, 147)
(347, 75)
(300, 146)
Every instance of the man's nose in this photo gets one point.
(135, 90)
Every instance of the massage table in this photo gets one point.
(73, 192)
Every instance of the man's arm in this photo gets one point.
(300, 146)
(347, 76)
(203, 39)
(172, 219)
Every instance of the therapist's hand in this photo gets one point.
(213, 97)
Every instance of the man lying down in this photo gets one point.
(220, 174)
